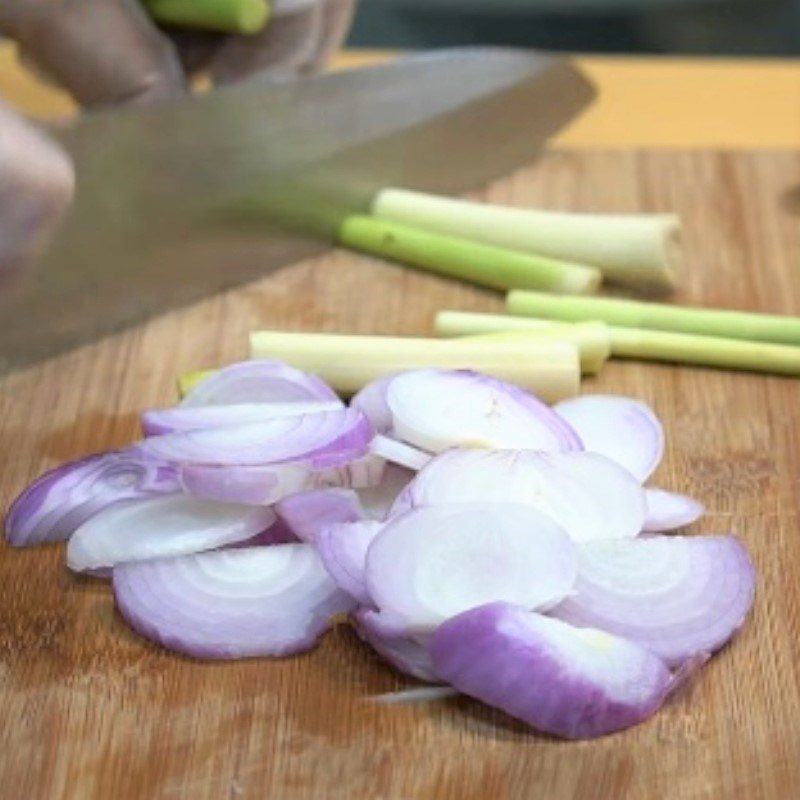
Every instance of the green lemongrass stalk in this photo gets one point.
(639, 250)
(705, 351)
(189, 380)
(591, 338)
(551, 369)
(226, 16)
(659, 316)
(483, 264)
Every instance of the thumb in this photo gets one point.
(36, 186)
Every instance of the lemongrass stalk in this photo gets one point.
(705, 351)
(467, 260)
(591, 338)
(659, 316)
(189, 380)
(640, 250)
(551, 369)
(225, 16)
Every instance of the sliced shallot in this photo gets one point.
(371, 401)
(258, 381)
(160, 527)
(378, 500)
(571, 682)
(668, 511)
(399, 453)
(431, 563)
(260, 601)
(158, 421)
(620, 428)
(407, 654)
(343, 549)
(329, 438)
(54, 505)
(436, 409)
(307, 513)
(588, 495)
(677, 596)
(270, 483)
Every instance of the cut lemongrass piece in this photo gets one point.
(725, 323)
(189, 380)
(550, 369)
(591, 338)
(639, 250)
(465, 259)
(225, 16)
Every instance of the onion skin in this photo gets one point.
(59, 501)
(230, 604)
(572, 683)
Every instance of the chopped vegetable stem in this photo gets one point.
(637, 249)
(551, 369)
(487, 265)
(591, 338)
(226, 16)
(659, 316)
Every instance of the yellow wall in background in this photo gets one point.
(642, 102)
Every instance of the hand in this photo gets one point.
(108, 52)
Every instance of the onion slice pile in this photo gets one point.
(160, 527)
(677, 596)
(261, 601)
(473, 536)
(432, 563)
(570, 682)
(668, 511)
(588, 495)
(620, 428)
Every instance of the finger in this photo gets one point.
(101, 51)
(287, 46)
(36, 186)
(337, 19)
(196, 48)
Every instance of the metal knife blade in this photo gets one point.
(163, 191)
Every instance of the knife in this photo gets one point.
(179, 201)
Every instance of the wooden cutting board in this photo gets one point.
(90, 710)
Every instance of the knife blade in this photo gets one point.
(167, 196)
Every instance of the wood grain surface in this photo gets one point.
(89, 710)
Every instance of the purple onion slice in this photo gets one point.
(588, 495)
(407, 654)
(437, 409)
(620, 428)
(330, 438)
(343, 548)
(679, 596)
(258, 381)
(432, 563)
(576, 683)
(308, 513)
(371, 401)
(399, 453)
(378, 500)
(55, 504)
(238, 603)
(158, 421)
(668, 511)
(160, 527)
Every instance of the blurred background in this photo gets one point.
(713, 27)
